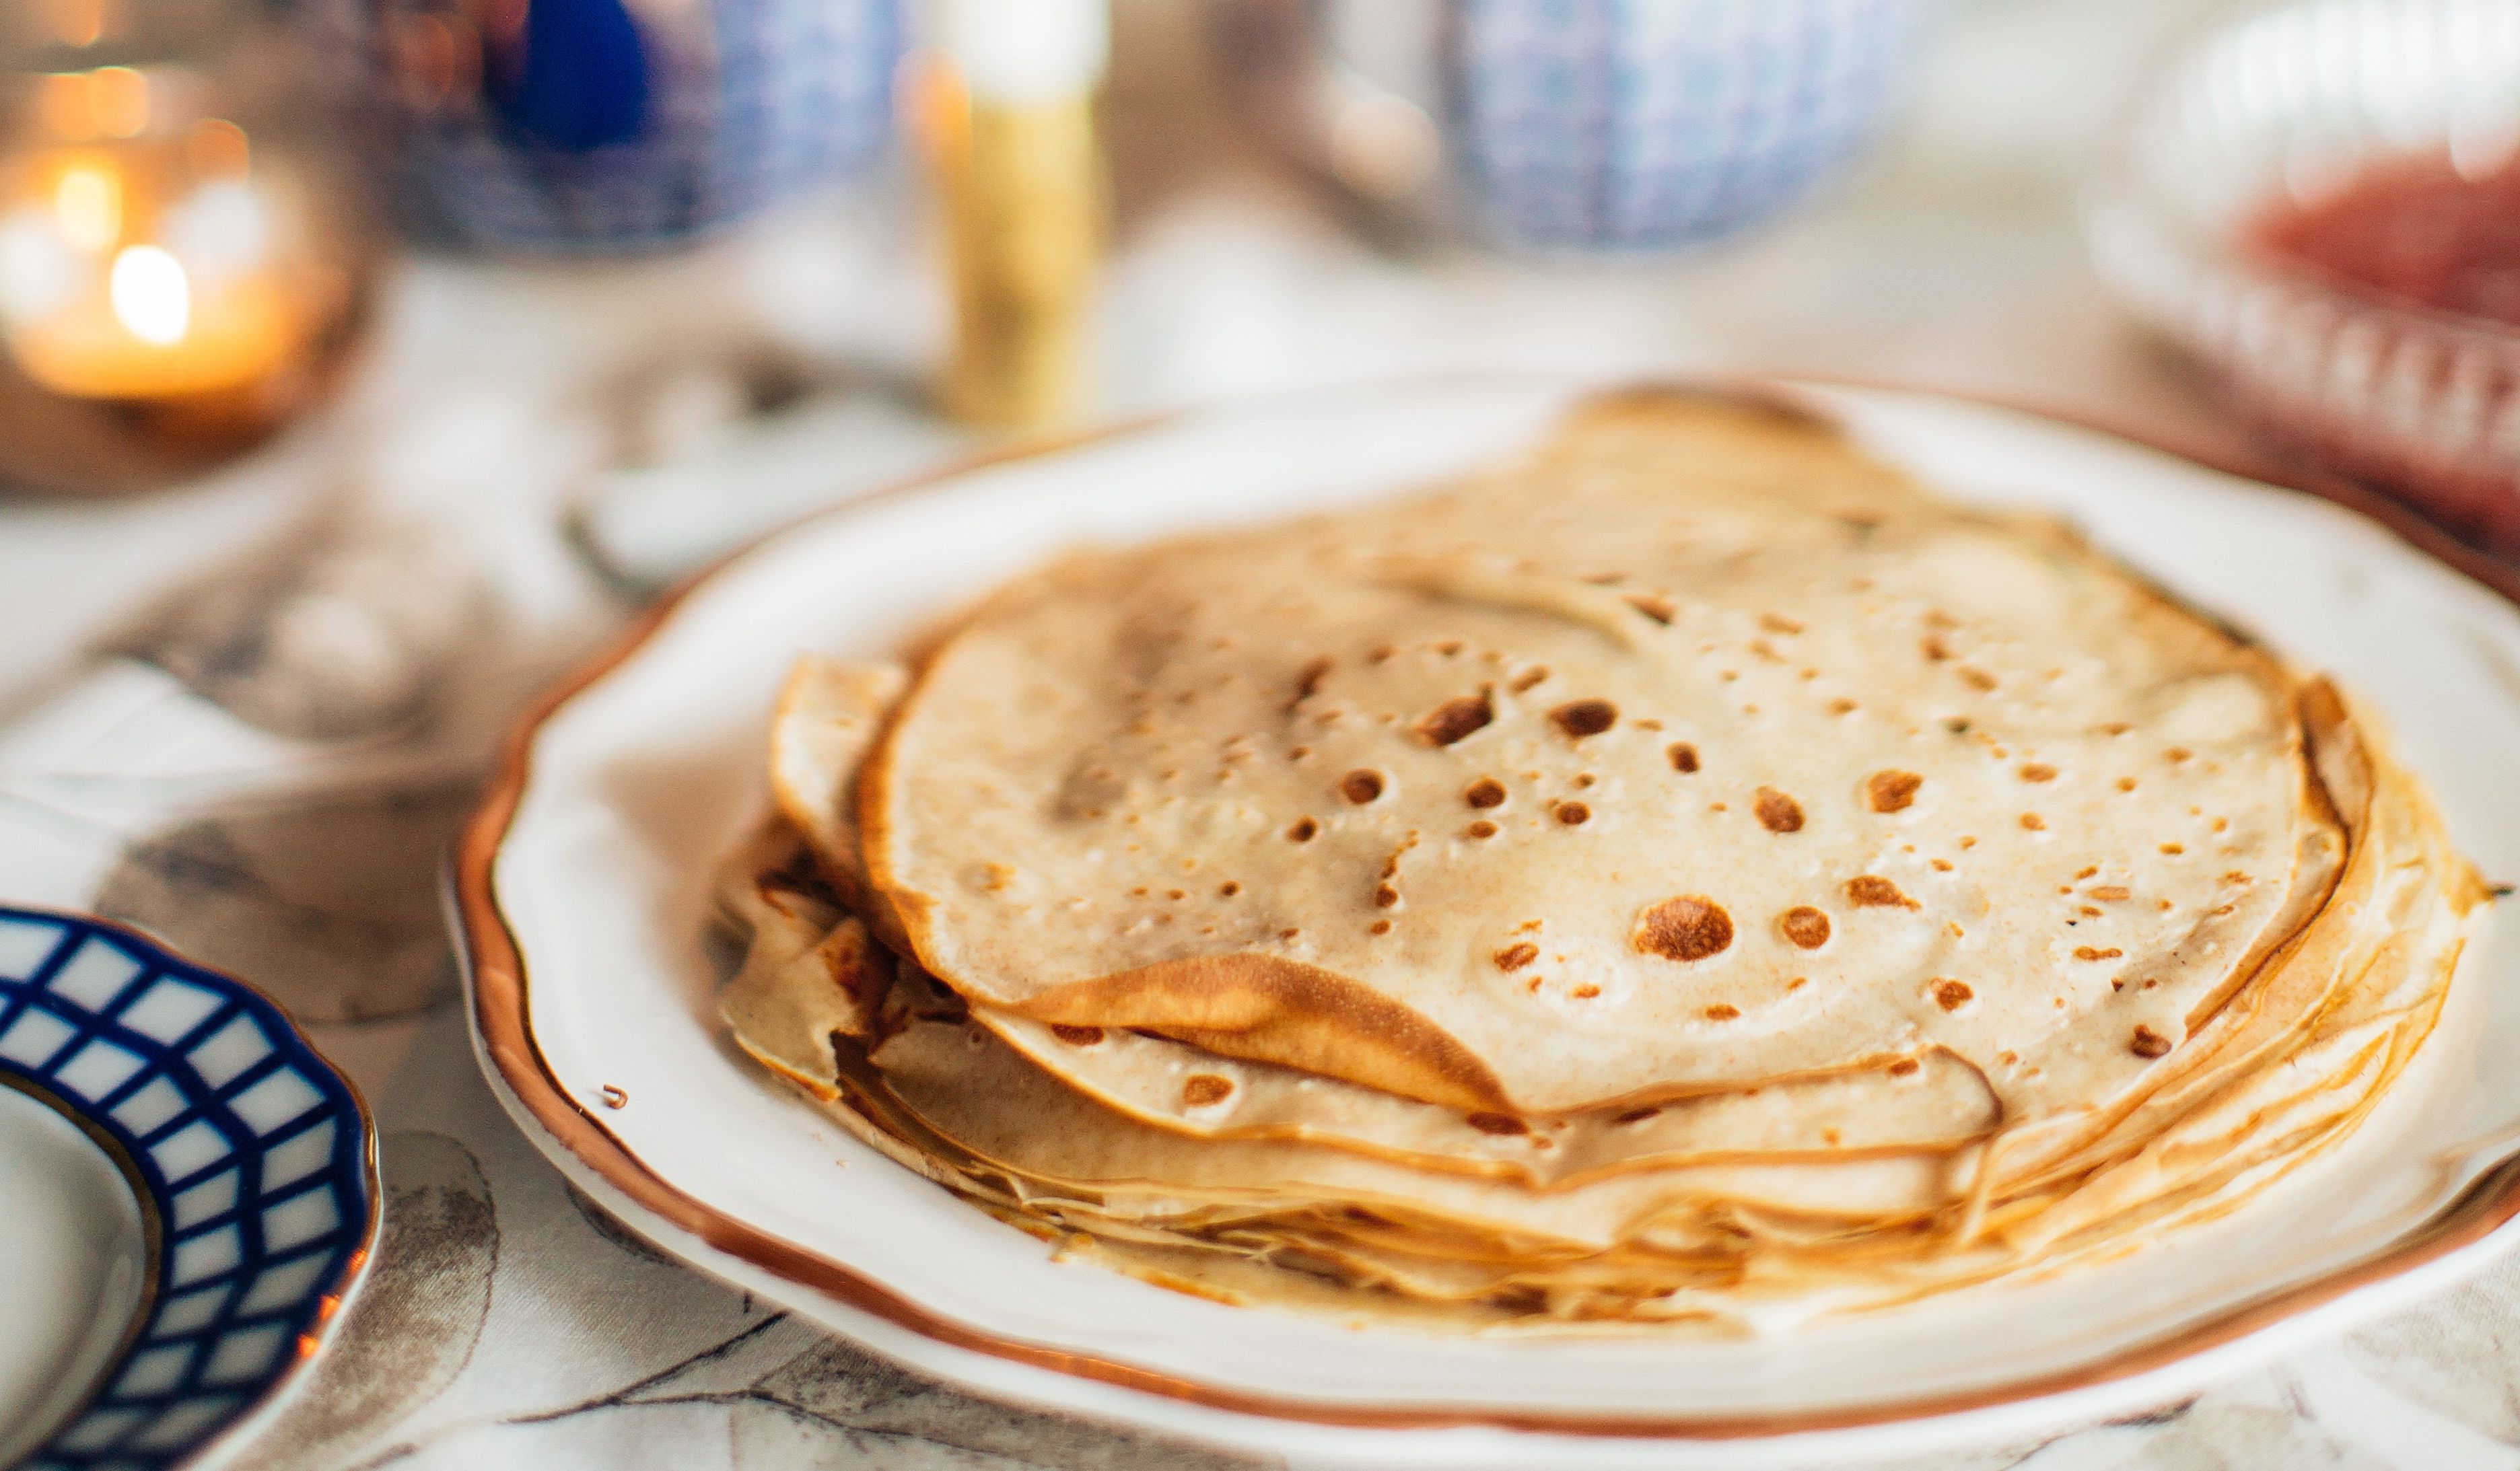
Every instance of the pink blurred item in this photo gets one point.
(2316, 203)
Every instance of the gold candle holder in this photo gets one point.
(1005, 116)
(177, 278)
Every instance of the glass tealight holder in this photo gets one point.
(182, 262)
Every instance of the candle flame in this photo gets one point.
(88, 204)
(151, 296)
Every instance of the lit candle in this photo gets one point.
(1009, 121)
(150, 263)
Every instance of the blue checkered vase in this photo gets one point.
(1661, 124)
(616, 125)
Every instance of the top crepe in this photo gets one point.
(1694, 751)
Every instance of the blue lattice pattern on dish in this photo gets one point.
(732, 105)
(251, 1153)
(1638, 124)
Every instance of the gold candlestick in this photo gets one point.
(1005, 114)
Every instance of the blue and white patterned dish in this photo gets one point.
(1619, 126)
(582, 125)
(252, 1160)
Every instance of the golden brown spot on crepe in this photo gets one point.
(1486, 791)
(1516, 957)
(1449, 647)
(1199, 1090)
(1891, 790)
(1381, 653)
(1779, 623)
(2178, 753)
(2220, 823)
(1658, 608)
(2090, 912)
(1940, 864)
(1686, 927)
(2088, 953)
(1584, 780)
(1841, 707)
(2235, 877)
(1831, 1136)
(1497, 1123)
(1176, 894)
(1303, 830)
(1361, 786)
(2038, 771)
(1308, 680)
(2148, 1042)
(1873, 891)
(1228, 889)
(1082, 1037)
(1723, 1011)
(2087, 873)
(1528, 677)
(1585, 992)
(1978, 679)
(1798, 983)
(1573, 814)
(1481, 828)
(1639, 1115)
(1778, 812)
(1585, 717)
(2125, 784)
(1683, 756)
(1904, 1067)
(1378, 927)
(1804, 925)
(1454, 719)
(1934, 648)
(2109, 893)
(2033, 822)
(1951, 995)
(1385, 896)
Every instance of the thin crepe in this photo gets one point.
(1695, 751)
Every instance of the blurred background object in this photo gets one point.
(183, 259)
(1006, 115)
(2322, 203)
(1576, 125)
(589, 125)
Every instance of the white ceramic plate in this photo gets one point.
(583, 891)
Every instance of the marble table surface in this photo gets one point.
(248, 713)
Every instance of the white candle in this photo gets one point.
(1026, 53)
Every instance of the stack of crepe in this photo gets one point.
(1687, 871)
